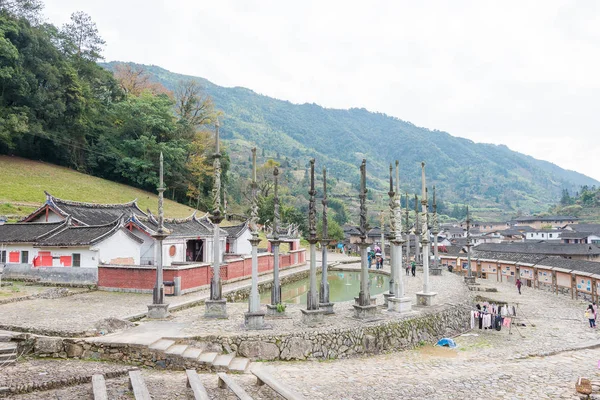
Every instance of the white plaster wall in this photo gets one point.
(89, 258)
(147, 248)
(179, 251)
(208, 254)
(118, 245)
(52, 217)
(593, 238)
(242, 244)
(19, 247)
(542, 236)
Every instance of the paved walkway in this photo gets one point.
(491, 365)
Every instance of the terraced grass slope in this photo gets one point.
(22, 185)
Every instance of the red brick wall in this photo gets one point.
(143, 278)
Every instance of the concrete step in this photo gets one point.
(239, 365)
(8, 348)
(192, 353)
(8, 357)
(222, 361)
(177, 349)
(5, 336)
(207, 358)
(162, 344)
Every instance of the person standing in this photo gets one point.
(589, 314)
(518, 283)
(413, 268)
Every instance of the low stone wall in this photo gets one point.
(444, 321)
(67, 276)
(373, 338)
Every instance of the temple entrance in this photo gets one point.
(194, 251)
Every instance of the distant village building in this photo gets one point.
(544, 234)
(588, 252)
(555, 221)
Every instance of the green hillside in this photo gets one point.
(491, 177)
(24, 182)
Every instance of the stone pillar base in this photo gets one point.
(386, 297)
(372, 299)
(158, 311)
(425, 299)
(312, 317)
(272, 311)
(470, 280)
(255, 320)
(366, 312)
(399, 305)
(326, 307)
(435, 271)
(216, 309)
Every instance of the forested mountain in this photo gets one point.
(484, 175)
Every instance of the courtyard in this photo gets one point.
(548, 347)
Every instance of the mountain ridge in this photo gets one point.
(464, 171)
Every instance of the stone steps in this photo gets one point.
(8, 353)
(190, 356)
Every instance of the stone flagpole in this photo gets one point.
(417, 232)
(407, 227)
(393, 228)
(275, 242)
(324, 302)
(469, 279)
(312, 315)
(254, 318)
(399, 302)
(158, 308)
(425, 298)
(216, 306)
(364, 309)
(435, 229)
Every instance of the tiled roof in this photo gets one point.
(573, 235)
(82, 235)
(27, 232)
(89, 213)
(542, 248)
(191, 226)
(547, 218)
(236, 230)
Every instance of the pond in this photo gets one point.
(343, 286)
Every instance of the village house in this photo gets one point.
(581, 233)
(62, 244)
(190, 239)
(544, 235)
(588, 252)
(550, 222)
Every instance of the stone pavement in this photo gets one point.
(494, 365)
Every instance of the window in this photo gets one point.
(549, 235)
(76, 260)
(24, 257)
(3, 257)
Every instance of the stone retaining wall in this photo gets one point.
(445, 321)
(442, 321)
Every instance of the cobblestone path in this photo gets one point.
(541, 360)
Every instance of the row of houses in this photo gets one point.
(76, 234)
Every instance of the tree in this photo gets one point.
(134, 80)
(28, 9)
(334, 230)
(81, 38)
(192, 105)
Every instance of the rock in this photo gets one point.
(258, 350)
(54, 293)
(296, 349)
(110, 325)
(74, 350)
(48, 345)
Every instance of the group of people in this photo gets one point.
(375, 254)
(591, 314)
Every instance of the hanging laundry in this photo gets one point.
(506, 322)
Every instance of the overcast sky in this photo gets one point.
(521, 73)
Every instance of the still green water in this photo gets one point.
(343, 286)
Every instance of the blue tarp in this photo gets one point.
(447, 342)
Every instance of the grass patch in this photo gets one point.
(24, 182)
